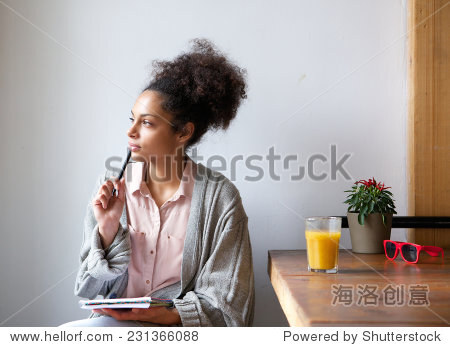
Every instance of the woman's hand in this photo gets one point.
(158, 315)
(108, 209)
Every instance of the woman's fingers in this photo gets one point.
(105, 192)
(116, 185)
(100, 199)
(109, 187)
(120, 315)
(104, 200)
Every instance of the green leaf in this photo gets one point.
(364, 210)
(361, 218)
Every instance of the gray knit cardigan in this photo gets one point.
(217, 280)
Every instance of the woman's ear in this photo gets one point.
(187, 132)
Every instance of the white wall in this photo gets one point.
(320, 73)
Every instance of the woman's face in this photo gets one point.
(151, 130)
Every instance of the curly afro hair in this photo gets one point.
(201, 86)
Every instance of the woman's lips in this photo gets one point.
(133, 147)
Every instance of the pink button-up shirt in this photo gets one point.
(157, 235)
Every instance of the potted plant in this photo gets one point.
(369, 215)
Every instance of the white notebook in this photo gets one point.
(142, 302)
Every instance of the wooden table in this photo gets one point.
(348, 298)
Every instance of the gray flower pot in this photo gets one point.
(368, 238)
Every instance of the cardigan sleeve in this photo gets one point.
(99, 268)
(224, 292)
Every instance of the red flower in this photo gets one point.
(372, 182)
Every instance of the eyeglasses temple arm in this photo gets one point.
(433, 250)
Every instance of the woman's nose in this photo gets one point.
(132, 131)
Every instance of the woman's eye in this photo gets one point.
(146, 122)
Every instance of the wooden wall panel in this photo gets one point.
(429, 116)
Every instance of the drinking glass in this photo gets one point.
(322, 243)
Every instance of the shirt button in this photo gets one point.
(148, 281)
(151, 252)
(168, 237)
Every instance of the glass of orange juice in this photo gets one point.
(322, 243)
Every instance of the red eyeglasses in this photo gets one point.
(410, 251)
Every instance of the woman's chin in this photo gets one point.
(137, 157)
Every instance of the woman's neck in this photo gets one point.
(165, 174)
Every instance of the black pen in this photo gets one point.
(124, 166)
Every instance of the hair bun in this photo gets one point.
(201, 86)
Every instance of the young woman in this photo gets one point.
(177, 229)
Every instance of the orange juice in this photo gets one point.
(322, 247)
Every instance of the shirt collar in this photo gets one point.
(138, 170)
